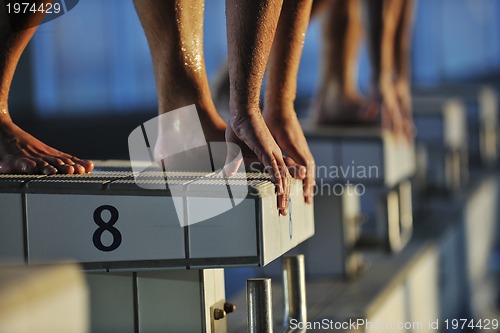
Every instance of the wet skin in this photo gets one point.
(281, 87)
(339, 101)
(19, 151)
(181, 80)
(388, 27)
(281, 146)
(279, 112)
(177, 53)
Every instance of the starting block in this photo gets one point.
(481, 105)
(138, 247)
(155, 301)
(363, 196)
(442, 142)
(335, 237)
(106, 222)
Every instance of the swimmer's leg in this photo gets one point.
(19, 151)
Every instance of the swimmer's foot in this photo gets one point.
(250, 132)
(383, 110)
(348, 112)
(286, 130)
(214, 130)
(341, 106)
(390, 110)
(21, 153)
(403, 92)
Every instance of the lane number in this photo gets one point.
(106, 226)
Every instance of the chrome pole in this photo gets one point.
(259, 306)
(294, 285)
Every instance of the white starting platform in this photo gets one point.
(363, 197)
(153, 244)
(105, 221)
(440, 275)
(442, 142)
(481, 105)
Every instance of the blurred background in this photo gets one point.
(87, 77)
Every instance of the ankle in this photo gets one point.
(278, 109)
(239, 117)
(279, 119)
(241, 113)
(243, 100)
(4, 114)
(402, 85)
(385, 83)
(209, 116)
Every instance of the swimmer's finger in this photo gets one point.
(296, 170)
(231, 168)
(272, 168)
(233, 160)
(310, 181)
(286, 181)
